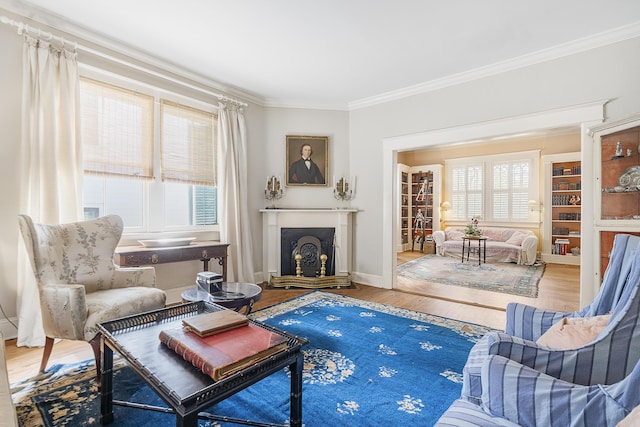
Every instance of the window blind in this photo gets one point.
(187, 150)
(466, 191)
(495, 187)
(510, 192)
(117, 130)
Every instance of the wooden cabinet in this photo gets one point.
(619, 188)
(562, 224)
(620, 175)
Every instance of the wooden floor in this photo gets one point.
(558, 290)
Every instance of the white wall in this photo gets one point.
(10, 104)
(280, 122)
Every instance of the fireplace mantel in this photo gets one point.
(273, 220)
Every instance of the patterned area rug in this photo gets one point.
(496, 277)
(367, 364)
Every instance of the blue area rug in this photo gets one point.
(367, 364)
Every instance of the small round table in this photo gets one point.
(481, 249)
(234, 295)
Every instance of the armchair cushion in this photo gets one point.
(574, 332)
(115, 303)
(527, 397)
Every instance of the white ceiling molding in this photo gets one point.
(110, 46)
(602, 39)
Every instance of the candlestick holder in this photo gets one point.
(342, 191)
(273, 191)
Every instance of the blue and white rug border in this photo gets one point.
(469, 330)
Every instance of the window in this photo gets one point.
(148, 159)
(497, 188)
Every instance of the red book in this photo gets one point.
(226, 353)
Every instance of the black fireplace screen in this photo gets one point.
(289, 240)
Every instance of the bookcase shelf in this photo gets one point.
(563, 219)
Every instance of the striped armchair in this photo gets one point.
(516, 395)
(606, 360)
(530, 323)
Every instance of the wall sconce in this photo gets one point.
(444, 207)
(341, 190)
(273, 190)
(534, 205)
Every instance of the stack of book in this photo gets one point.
(222, 343)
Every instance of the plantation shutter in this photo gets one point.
(510, 192)
(466, 191)
(117, 130)
(187, 145)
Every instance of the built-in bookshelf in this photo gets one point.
(563, 216)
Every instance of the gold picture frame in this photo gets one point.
(313, 173)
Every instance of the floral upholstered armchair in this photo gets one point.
(78, 283)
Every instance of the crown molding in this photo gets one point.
(308, 105)
(566, 49)
(39, 16)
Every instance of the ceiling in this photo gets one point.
(342, 53)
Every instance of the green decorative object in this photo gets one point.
(471, 229)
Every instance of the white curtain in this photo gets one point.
(232, 197)
(51, 180)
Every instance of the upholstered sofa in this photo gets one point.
(7, 410)
(503, 244)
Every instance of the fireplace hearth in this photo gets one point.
(283, 228)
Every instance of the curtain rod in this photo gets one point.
(22, 27)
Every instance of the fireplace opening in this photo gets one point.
(310, 243)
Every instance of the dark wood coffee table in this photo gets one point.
(186, 390)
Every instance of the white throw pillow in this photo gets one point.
(516, 238)
(574, 332)
(631, 420)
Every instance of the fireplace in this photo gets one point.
(303, 241)
(338, 240)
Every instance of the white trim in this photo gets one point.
(569, 116)
(41, 16)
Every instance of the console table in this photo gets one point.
(135, 256)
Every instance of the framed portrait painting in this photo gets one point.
(307, 160)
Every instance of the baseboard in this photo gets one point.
(370, 280)
(8, 330)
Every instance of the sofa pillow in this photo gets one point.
(516, 238)
(454, 234)
(576, 332)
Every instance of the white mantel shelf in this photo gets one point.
(273, 220)
(315, 210)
